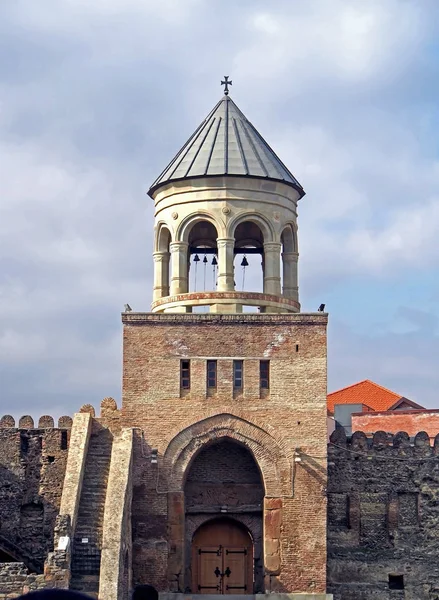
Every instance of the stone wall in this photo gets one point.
(273, 426)
(16, 579)
(383, 517)
(32, 468)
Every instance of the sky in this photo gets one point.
(97, 97)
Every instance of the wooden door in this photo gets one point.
(222, 559)
(235, 568)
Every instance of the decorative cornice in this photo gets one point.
(137, 318)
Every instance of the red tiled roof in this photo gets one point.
(365, 392)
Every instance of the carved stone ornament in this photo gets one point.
(175, 215)
(226, 210)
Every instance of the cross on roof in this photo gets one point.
(226, 84)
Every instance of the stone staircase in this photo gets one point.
(87, 541)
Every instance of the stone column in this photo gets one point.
(272, 535)
(289, 264)
(226, 247)
(272, 268)
(179, 281)
(161, 275)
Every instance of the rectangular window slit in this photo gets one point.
(238, 374)
(211, 374)
(297, 347)
(185, 374)
(264, 374)
(63, 440)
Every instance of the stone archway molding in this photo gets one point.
(273, 464)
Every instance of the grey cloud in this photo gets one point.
(98, 96)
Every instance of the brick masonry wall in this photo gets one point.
(32, 467)
(383, 516)
(411, 421)
(292, 416)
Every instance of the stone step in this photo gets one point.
(86, 558)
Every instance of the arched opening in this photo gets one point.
(249, 257)
(203, 257)
(224, 487)
(162, 273)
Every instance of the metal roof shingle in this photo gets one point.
(226, 143)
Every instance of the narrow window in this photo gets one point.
(63, 440)
(24, 443)
(264, 374)
(396, 582)
(238, 374)
(211, 374)
(185, 374)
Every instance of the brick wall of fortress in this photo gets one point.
(292, 416)
(383, 516)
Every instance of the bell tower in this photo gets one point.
(224, 380)
(225, 196)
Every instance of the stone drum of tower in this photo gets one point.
(224, 197)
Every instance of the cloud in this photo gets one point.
(96, 98)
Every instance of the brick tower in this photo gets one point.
(226, 387)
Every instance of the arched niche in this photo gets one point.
(162, 273)
(163, 238)
(183, 450)
(224, 490)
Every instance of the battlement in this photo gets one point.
(382, 444)
(108, 410)
(27, 422)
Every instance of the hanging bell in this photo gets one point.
(214, 261)
(244, 262)
(205, 259)
(196, 258)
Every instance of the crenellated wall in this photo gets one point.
(33, 464)
(32, 467)
(383, 516)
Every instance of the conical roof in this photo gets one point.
(226, 143)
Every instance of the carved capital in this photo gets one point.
(290, 256)
(225, 243)
(272, 247)
(178, 246)
(161, 257)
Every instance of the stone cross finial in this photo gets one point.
(226, 84)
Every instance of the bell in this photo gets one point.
(214, 261)
(205, 259)
(196, 258)
(244, 262)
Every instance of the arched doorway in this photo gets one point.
(222, 558)
(224, 492)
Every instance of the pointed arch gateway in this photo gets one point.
(225, 467)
